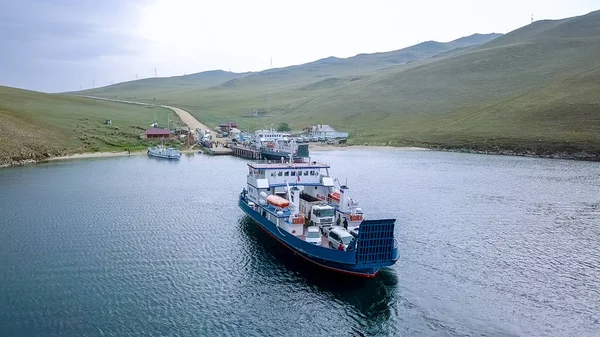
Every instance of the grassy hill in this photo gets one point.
(532, 90)
(35, 125)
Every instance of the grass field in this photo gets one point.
(35, 125)
(532, 90)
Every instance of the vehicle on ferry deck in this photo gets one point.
(313, 235)
(339, 236)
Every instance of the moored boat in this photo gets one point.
(287, 198)
(160, 151)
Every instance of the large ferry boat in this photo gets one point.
(299, 205)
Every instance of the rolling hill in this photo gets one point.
(36, 126)
(292, 75)
(532, 90)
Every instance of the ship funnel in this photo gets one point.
(344, 199)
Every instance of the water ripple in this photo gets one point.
(490, 246)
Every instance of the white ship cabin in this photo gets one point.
(274, 177)
(270, 135)
(310, 179)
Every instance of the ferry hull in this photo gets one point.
(273, 155)
(310, 254)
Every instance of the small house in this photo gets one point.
(108, 122)
(226, 127)
(158, 133)
(323, 130)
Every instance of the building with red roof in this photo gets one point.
(158, 133)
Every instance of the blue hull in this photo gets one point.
(339, 261)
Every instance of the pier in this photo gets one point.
(218, 151)
(246, 152)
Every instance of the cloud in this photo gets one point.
(46, 44)
(62, 45)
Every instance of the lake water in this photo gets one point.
(136, 246)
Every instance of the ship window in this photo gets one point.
(305, 173)
(287, 173)
(279, 173)
(272, 174)
(293, 174)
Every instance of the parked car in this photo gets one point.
(313, 235)
(330, 141)
(325, 229)
(338, 235)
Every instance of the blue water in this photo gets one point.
(137, 246)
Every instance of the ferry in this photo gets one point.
(160, 151)
(275, 145)
(300, 206)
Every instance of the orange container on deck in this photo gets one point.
(335, 196)
(278, 201)
(299, 220)
(355, 217)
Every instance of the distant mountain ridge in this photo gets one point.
(323, 67)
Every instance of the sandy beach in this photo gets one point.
(326, 147)
(96, 155)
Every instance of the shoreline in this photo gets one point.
(328, 147)
(582, 156)
(94, 155)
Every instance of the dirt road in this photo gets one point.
(185, 116)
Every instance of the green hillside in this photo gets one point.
(532, 90)
(35, 125)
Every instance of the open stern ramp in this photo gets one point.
(376, 244)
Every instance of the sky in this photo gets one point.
(65, 45)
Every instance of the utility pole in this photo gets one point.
(93, 84)
(531, 17)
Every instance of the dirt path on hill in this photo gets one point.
(185, 116)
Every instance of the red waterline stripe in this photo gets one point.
(321, 265)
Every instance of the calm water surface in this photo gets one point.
(134, 246)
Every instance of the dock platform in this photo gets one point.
(246, 152)
(218, 151)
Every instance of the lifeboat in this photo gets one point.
(335, 196)
(278, 201)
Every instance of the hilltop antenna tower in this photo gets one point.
(154, 71)
(531, 17)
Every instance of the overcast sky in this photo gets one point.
(61, 45)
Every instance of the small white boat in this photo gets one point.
(160, 151)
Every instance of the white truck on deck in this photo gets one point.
(317, 212)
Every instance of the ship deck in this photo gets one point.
(324, 240)
(286, 165)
